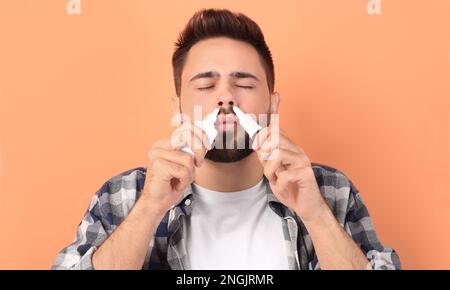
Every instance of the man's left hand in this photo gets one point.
(289, 172)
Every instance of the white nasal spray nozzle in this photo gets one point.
(207, 125)
(250, 126)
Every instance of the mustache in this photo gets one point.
(225, 111)
(229, 110)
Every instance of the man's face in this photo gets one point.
(222, 72)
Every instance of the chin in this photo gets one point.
(227, 155)
(225, 147)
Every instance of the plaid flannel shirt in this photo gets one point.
(167, 250)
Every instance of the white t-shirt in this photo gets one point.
(234, 230)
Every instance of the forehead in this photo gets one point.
(223, 55)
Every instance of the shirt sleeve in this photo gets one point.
(359, 226)
(91, 234)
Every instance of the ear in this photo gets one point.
(177, 110)
(176, 105)
(274, 102)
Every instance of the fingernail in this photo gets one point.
(195, 162)
(254, 145)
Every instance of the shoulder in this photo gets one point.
(114, 200)
(132, 179)
(329, 176)
(336, 187)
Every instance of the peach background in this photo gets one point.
(82, 98)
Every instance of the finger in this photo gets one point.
(162, 143)
(168, 171)
(174, 156)
(280, 187)
(202, 135)
(277, 139)
(260, 138)
(280, 160)
(184, 135)
(203, 145)
(297, 175)
(189, 127)
(266, 140)
(192, 137)
(267, 149)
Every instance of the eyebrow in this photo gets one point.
(214, 74)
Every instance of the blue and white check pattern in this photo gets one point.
(167, 250)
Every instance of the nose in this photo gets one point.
(225, 107)
(221, 104)
(225, 100)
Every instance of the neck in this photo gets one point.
(232, 176)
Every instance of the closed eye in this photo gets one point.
(205, 88)
(245, 87)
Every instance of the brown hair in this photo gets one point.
(210, 23)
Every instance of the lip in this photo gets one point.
(225, 126)
(226, 118)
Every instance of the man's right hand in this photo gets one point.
(170, 171)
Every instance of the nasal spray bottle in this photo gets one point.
(207, 125)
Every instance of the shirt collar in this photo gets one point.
(274, 203)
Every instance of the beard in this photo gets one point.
(230, 146)
(227, 155)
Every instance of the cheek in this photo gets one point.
(197, 106)
(257, 103)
